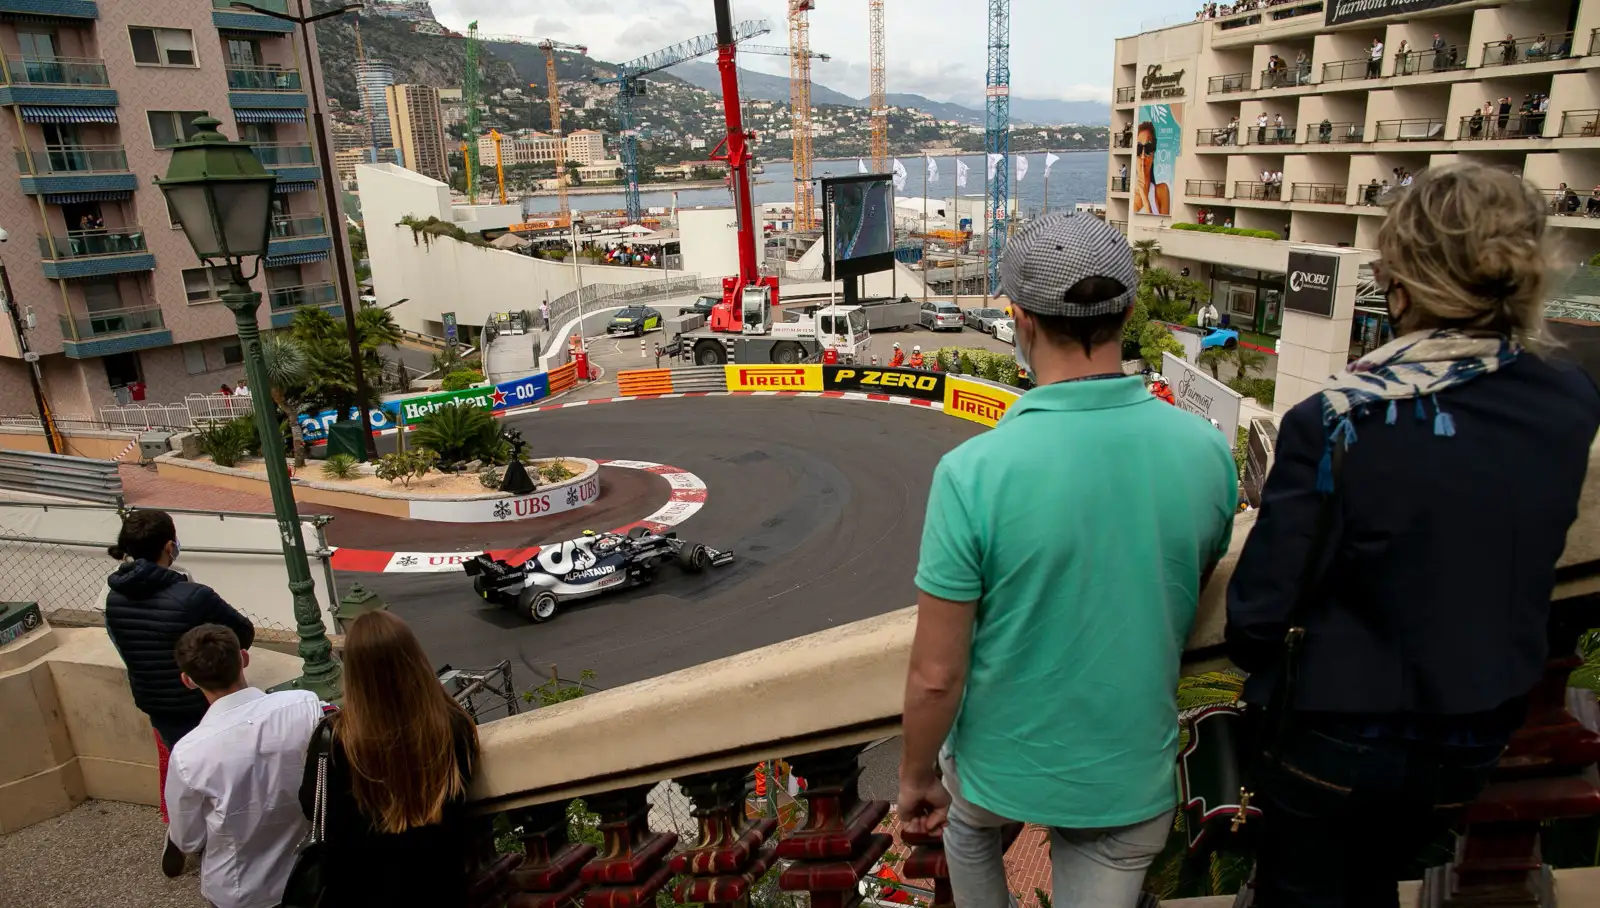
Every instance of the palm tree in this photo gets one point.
(287, 369)
(1212, 358)
(1144, 252)
(1248, 361)
(376, 329)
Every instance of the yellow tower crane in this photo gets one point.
(499, 164)
(472, 189)
(553, 89)
(805, 196)
(880, 88)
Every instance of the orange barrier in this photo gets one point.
(563, 379)
(637, 382)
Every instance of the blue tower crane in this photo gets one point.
(630, 85)
(997, 138)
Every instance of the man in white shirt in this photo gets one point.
(243, 390)
(1209, 317)
(1375, 61)
(233, 784)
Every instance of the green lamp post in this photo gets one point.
(222, 198)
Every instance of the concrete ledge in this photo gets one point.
(119, 446)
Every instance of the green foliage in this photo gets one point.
(491, 478)
(1241, 450)
(1212, 358)
(1261, 390)
(1588, 676)
(1231, 231)
(979, 363)
(406, 467)
(425, 231)
(460, 380)
(227, 443)
(555, 471)
(1144, 253)
(340, 466)
(459, 434)
(556, 690)
(1156, 339)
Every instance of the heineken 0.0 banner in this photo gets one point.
(411, 410)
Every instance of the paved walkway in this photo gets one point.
(100, 854)
(141, 487)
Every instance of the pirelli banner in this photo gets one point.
(774, 378)
(919, 383)
(977, 401)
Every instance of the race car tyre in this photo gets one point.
(540, 607)
(638, 532)
(694, 559)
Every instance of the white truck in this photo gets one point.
(842, 329)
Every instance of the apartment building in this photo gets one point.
(95, 95)
(1291, 117)
(418, 128)
(518, 148)
(586, 146)
(373, 78)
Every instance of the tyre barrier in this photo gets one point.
(973, 399)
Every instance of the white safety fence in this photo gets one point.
(55, 555)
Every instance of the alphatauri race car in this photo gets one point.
(592, 565)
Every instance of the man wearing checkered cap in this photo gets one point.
(1063, 555)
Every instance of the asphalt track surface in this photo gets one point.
(821, 501)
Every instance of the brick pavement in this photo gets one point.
(141, 487)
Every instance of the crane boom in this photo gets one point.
(553, 87)
(805, 202)
(879, 79)
(472, 95)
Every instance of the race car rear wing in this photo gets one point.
(493, 567)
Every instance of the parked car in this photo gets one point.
(983, 319)
(635, 320)
(940, 316)
(1004, 330)
(1226, 338)
(702, 306)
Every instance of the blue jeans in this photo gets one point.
(1354, 804)
(1090, 868)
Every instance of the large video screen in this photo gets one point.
(858, 224)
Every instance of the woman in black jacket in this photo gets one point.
(1461, 456)
(402, 756)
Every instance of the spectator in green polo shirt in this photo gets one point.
(1062, 559)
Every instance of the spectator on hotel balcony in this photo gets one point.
(1325, 131)
(1508, 49)
(1538, 48)
(1302, 67)
(1261, 128)
(1046, 653)
(242, 389)
(1450, 462)
(1475, 124)
(1400, 57)
(148, 607)
(1592, 209)
(1375, 59)
(403, 755)
(1438, 52)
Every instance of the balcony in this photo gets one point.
(1122, 226)
(1289, 77)
(226, 18)
(1536, 49)
(1415, 129)
(1594, 41)
(1582, 124)
(1126, 94)
(1271, 134)
(1476, 127)
(286, 301)
(1256, 191)
(95, 253)
(55, 9)
(291, 162)
(1119, 184)
(1351, 70)
(1568, 203)
(1318, 193)
(58, 82)
(1221, 85)
(1205, 189)
(59, 169)
(114, 331)
(265, 87)
(1122, 139)
(1414, 62)
(1333, 133)
(1225, 136)
(298, 234)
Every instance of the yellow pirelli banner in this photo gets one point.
(774, 378)
(981, 403)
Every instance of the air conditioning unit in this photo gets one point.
(154, 443)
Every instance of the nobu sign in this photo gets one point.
(1311, 282)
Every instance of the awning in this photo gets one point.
(263, 115)
(284, 188)
(72, 198)
(298, 258)
(32, 114)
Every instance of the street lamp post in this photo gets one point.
(222, 198)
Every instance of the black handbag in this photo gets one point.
(1231, 744)
(306, 886)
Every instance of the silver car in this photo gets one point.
(940, 316)
(983, 319)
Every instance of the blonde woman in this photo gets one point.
(1449, 462)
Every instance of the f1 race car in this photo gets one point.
(594, 564)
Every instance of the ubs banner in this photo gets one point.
(1340, 11)
(917, 383)
(1311, 283)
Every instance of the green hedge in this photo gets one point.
(1231, 231)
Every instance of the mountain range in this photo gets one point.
(767, 87)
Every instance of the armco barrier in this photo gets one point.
(639, 382)
(57, 474)
(563, 379)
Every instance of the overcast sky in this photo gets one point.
(936, 48)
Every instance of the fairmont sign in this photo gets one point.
(1156, 85)
(1341, 11)
(1310, 283)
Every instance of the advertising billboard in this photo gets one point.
(1158, 140)
(774, 378)
(978, 402)
(917, 383)
(1310, 283)
(857, 225)
(1341, 11)
(1199, 393)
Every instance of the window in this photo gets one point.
(37, 44)
(194, 358)
(203, 285)
(169, 127)
(244, 53)
(232, 354)
(162, 46)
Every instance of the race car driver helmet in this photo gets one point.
(589, 533)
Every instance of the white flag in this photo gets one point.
(933, 170)
(899, 176)
(994, 161)
(961, 174)
(1049, 162)
(1022, 168)
(861, 165)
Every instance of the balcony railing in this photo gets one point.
(1429, 60)
(1226, 135)
(1220, 85)
(1513, 126)
(59, 159)
(1122, 226)
(1351, 70)
(283, 155)
(1271, 134)
(1318, 193)
(1258, 191)
(1594, 41)
(1583, 124)
(284, 228)
(1287, 77)
(85, 71)
(1333, 133)
(112, 321)
(1122, 140)
(1119, 184)
(78, 244)
(1410, 130)
(1570, 202)
(1205, 189)
(1125, 94)
(247, 78)
(1536, 49)
(307, 295)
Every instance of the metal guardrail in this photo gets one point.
(63, 475)
(699, 379)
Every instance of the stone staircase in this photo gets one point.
(512, 356)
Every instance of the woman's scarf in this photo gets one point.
(1415, 367)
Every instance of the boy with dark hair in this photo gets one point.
(233, 783)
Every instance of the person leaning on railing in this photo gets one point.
(1452, 460)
